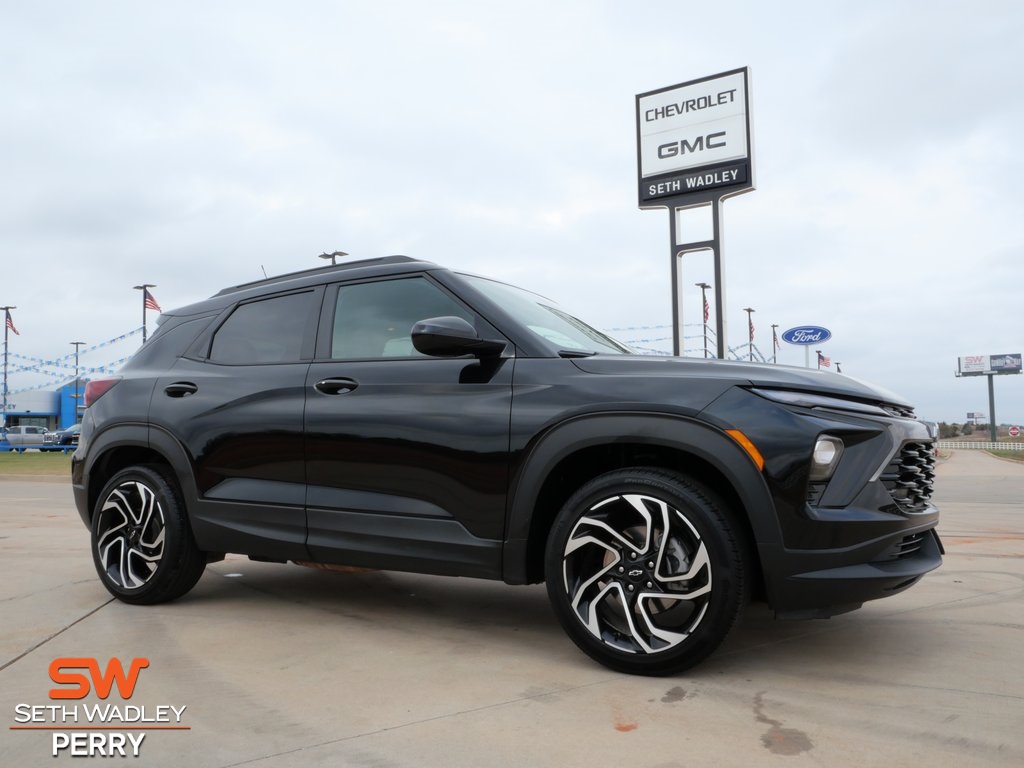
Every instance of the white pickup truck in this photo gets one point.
(26, 436)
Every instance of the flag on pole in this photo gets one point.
(149, 301)
(822, 360)
(707, 310)
(10, 323)
(750, 322)
(775, 340)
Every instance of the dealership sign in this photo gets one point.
(694, 137)
(987, 365)
(807, 334)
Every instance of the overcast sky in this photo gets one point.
(195, 144)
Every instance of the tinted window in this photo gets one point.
(374, 319)
(268, 331)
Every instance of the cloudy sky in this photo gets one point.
(194, 145)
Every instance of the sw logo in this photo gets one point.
(102, 682)
(78, 684)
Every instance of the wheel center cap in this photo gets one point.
(635, 574)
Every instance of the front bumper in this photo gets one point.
(866, 531)
(824, 583)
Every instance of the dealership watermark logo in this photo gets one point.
(107, 729)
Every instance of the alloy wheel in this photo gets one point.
(130, 534)
(637, 574)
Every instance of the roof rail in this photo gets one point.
(318, 270)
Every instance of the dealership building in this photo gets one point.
(54, 409)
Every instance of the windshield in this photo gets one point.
(545, 319)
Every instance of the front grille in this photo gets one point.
(910, 477)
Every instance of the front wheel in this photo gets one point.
(142, 544)
(645, 570)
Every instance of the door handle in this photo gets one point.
(335, 386)
(180, 389)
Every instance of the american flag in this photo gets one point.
(707, 310)
(751, 324)
(822, 360)
(775, 340)
(149, 302)
(10, 323)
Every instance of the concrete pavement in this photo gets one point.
(285, 666)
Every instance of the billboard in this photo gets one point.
(986, 365)
(694, 137)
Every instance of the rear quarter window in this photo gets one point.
(265, 331)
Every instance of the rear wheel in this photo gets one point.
(645, 571)
(142, 544)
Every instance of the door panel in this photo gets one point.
(406, 455)
(238, 412)
(242, 428)
(411, 460)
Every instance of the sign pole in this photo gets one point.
(721, 340)
(992, 407)
(681, 249)
(677, 295)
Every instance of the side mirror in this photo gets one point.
(452, 337)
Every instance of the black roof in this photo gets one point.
(321, 271)
(386, 265)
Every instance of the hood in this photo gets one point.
(754, 374)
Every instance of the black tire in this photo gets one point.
(142, 544)
(630, 596)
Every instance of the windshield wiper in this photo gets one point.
(576, 353)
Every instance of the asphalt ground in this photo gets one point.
(278, 665)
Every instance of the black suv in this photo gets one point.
(393, 414)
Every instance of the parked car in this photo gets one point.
(25, 436)
(396, 415)
(63, 439)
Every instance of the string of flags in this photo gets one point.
(58, 362)
(109, 368)
(57, 369)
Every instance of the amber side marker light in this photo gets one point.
(748, 446)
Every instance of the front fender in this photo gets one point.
(666, 431)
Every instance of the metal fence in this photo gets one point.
(980, 445)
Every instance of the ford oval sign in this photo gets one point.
(807, 334)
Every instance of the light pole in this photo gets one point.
(704, 295)
(333, 256)
(146, 299)
(8, 326)
(77, 345)
(775, 344)
(750, 328)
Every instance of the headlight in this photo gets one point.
(812, 400)
(827, 452)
